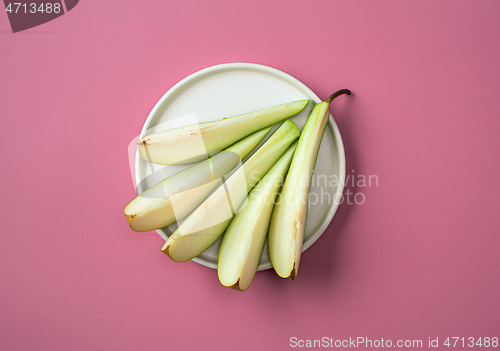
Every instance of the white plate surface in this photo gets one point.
(231, 89)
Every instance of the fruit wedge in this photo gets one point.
(286, 230)
(244, 239)
(178, 195)
(195, 142)
(207, 223)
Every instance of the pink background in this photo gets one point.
(419, 259)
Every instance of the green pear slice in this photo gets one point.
(178, 195)
(195, 142)
(207, 223)
(244, 239)
(286, 230)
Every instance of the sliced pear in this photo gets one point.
(207, 223)
(244, 239)
(195, 142)
(286, 230)
(178, 195)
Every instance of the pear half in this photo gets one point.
(286, 230)
(244, 239)
(178, 195)
(207, 223)
(195, 142)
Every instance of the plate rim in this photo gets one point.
(260, 67)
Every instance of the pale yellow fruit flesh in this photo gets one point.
(244, 239)
(207, 223)
(195, 142)
(178, 195)
(286, 230)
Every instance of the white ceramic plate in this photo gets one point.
(231, 89)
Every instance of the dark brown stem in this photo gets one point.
(338, 93)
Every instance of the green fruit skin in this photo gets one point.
(195, 142)
(185, 190)
(207, 223)
(244, 239)
(286, 230)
